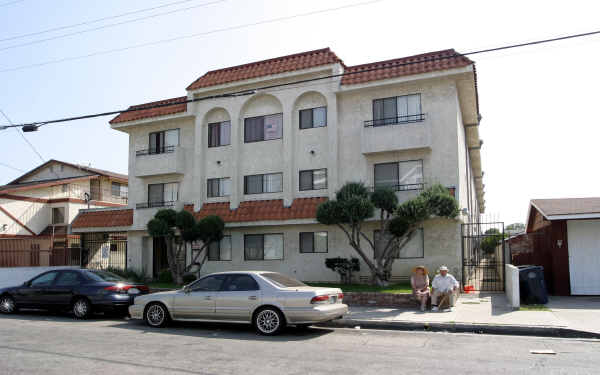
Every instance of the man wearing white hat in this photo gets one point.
(443, 285)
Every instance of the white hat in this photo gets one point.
(443, 268)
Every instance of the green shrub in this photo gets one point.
(127, 274)
(165, 276)
(189, 278)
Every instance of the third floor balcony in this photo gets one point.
(159, 161)
(396, 134)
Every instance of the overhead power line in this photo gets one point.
(189, 36)
(37, 41)
(22, 135)
(35, 125)
(11, 167)
(90, 22)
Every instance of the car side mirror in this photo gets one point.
(26, 283)
(187, 289)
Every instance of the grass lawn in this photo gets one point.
(534, 308)
(393, 288)
(162, 285)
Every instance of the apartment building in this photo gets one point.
(38, 207)
(265, 159)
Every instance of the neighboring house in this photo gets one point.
(265, 161)
(42, 203)
(563, 236)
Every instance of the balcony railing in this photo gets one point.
(406, 187)
(155, 204)
(396, 120)
(157, 150)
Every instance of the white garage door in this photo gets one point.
(584, 256)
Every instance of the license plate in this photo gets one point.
(333, 299)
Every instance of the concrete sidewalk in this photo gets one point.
(568, 316)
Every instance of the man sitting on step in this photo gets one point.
(444, 287)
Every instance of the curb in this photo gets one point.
(518, 330)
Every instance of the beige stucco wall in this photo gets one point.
(441, 245)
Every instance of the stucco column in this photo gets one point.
(332, 135)
(237, 141)
(198, 162)
(288, 153)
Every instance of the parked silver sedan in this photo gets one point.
(268, 300)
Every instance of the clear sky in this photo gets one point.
(539, 104)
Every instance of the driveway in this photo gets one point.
(51, 344)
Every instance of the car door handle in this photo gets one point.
(252, 297)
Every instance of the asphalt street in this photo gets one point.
(38, 343)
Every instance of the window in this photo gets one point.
(208, 284)
(282, 280)
(58, 215)
(404, 175)
(263, 183)
(315, 179)
(95, 193)
(263, 128)
(44, 280)
(263, 246)
(240, 283)
(313, 118)
(313, 242)
(219, 134)
(115, 189)
(163, 141)
(413, 249)
(67, 279)
(160, 194)
(220, 250)
(65, 188)
(218, 187)
(397, 110)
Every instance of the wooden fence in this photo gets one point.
(36, 252)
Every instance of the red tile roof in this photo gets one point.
(178, 105)
(298, 61)
(103, 218)
(417, 64)
(263, 210)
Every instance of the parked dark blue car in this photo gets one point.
(80, 290)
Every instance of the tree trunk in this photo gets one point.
(174, 266)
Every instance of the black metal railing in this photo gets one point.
(157, 150)
(155, 204)
(395, 120)
(406, 187)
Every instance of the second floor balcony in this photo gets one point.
(158, 161)
(395, 134)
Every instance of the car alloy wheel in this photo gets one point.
(81, 308)
(156, 315)
(7, 305)
(268, 321)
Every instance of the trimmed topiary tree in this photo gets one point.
(354, 204)
(180, 229)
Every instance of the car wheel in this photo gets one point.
(82, 308)
(269, 321)
(156, 315)
(8, 304)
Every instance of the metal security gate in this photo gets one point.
(483, 256)
(104, 250)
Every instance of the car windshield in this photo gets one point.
(281, 280)
(104, 276)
